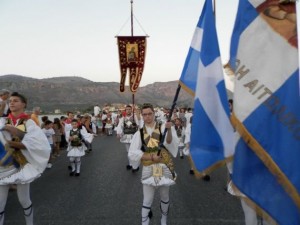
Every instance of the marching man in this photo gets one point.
(126, 128)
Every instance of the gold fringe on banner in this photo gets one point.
(200, 174)
(132, 53)
(259, 211)
(267, 160)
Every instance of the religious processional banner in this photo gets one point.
(132, 53)
(212, 134)
(264, 58)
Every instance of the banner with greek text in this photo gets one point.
(264, 57)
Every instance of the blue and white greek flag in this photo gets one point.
(212, 133)
(264, 57)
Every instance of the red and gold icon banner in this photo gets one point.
(132, 52)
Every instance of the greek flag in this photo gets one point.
(264, 56)
(212, 133)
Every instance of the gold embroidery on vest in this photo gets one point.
(152, 143)
(17, 153)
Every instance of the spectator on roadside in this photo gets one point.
(4, 108)
(35, 115)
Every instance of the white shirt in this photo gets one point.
(96, 110)
(49, 134)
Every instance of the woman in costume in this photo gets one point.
(158, 168)
(24, 154)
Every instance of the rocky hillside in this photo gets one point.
(77, 93)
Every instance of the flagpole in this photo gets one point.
(169, 118)
(131, 2)
(215, 8)
(131, 16)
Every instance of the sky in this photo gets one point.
(53, 38)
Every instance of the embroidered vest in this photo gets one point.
(129, 126)
(150, 145)
(77, 141)
(15, 155)
(178, 131)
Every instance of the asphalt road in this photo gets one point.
(107, 194)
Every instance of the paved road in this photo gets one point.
(107, 194)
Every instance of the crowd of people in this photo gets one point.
(29, 143)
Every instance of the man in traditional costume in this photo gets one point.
(24, 154)
(180, 131)
(125, 130)
(158, 168)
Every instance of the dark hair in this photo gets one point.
(128, 106)
(44, 118)
(47, 122)
(21, 97)
(147, 105)
(74, 120)
(230, 101)
(57, 122)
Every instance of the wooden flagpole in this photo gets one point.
(131, 16)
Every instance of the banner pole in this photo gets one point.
(131, 1)
(169, 117)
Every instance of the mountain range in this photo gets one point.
(79, 94)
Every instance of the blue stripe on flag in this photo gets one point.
(190, 70)
(210, 46)
(241, 23)
(255, 181)
(206, 144)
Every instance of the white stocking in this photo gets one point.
(3, 197)
(250, 214)
(164, 204)
(72, 162)
(148, 192)
(127, 145)
(23, 191)
(78, 164)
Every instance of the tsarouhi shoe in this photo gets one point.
(72, 173)
(206, 178)
(128, 167)
(135, 170)
(77, 174)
